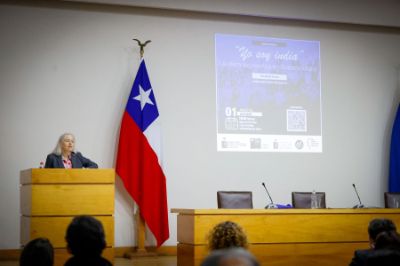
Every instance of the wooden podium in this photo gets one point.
(280, 237)
(50, 198)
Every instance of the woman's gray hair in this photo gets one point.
(57, 149)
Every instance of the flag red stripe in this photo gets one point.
(138, 167)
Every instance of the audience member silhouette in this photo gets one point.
(227, 235)
(387, 250)
(38, 252)
(376, 226)
(86, 241)
(230, 257)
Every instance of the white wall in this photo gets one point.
(69, 67)
(369, 12)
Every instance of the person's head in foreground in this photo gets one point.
(377, 226)
(38, 252)
(230, 257)
(85, 237)
(227, 235)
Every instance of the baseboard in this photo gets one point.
(13, 254)
(162, 251)
(10, 254)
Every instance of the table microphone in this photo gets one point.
(271, 205)
(360, 205)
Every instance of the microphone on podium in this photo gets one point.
(360, 205)
(271, 205)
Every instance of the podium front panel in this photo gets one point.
(67, 199)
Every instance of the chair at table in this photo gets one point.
(392, 200)
(235, 199)
(302, 200)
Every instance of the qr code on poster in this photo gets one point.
(296, 120)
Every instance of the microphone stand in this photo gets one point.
(270, 205)
(360, 205)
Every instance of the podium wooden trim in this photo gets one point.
(283, 236)
(51, 198)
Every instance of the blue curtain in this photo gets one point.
(394, 167)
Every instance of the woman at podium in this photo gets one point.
(64, 155)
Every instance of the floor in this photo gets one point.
(143, 261)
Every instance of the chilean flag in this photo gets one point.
(137, 160)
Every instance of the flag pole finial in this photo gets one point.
(142, 45)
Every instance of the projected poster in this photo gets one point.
(268, 94)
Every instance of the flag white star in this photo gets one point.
(143, 97)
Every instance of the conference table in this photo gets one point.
(283, 236)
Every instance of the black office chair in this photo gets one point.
(235, 199)
(392, 200)
(302, 200)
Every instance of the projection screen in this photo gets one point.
(268, 94)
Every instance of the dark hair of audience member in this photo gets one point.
(387, 250)
(377, 226)
(85, 237)
(227, 235)
(388, 240)
(38, 252)
(230, 257)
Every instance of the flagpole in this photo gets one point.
(140, 223)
